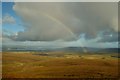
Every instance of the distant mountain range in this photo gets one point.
(67, 49)
(111, 50)
(87, 49)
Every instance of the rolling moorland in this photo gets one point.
(59, 64)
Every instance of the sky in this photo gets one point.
(60, 24)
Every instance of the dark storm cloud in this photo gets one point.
(110, 37)
(65, 21)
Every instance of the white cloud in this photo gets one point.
(82, 42)
(8, 19)
(66, 21)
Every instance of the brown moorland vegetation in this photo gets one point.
(36, 65)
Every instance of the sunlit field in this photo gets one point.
(59, 65)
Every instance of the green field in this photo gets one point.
(58, 65)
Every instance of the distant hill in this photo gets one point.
(87, 49)
(67, 49)
(111, 50)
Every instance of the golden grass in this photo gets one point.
(28, 65)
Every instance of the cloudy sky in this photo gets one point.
(60, 24)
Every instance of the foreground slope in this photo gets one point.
(58, 65)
